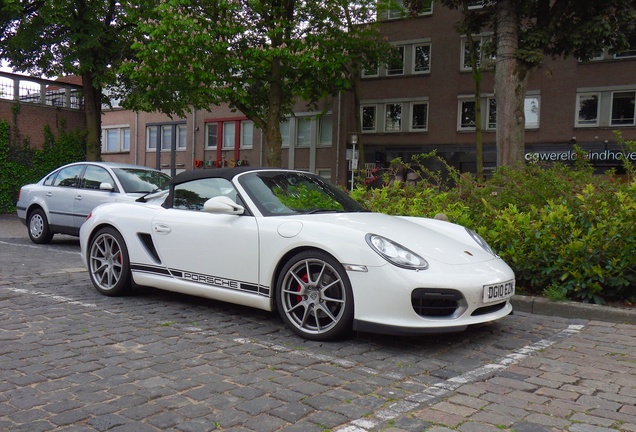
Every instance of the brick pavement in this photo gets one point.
(73, 360)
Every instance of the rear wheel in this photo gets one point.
(109, 263)
(38, 226)
(314, 296)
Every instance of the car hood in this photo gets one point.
(432, 239)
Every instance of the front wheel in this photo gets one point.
(314, 296)
(108, 262)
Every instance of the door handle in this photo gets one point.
(78, 197)
(162, 229)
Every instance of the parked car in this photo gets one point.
(60, 202)
(288, 240)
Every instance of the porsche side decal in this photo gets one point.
(204, 279)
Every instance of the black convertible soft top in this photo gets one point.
(225, 173)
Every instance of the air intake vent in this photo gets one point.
(431, 302)
(146, 241)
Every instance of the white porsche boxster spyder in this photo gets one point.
(290, 241)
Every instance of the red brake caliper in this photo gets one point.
(305, 279)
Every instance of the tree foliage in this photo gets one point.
(70, 37)
(260, 57)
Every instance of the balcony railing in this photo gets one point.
(26, 89)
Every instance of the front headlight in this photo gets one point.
(395, 253)
(481, 242)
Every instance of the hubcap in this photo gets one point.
(106, 261)
(36, 226)
(314, 297)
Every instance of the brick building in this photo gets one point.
(30, 103)
(426, 101)
(423, 103)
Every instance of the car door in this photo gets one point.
(89, 195)
(60, 196)
(213, 250)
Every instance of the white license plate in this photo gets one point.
(498, 292)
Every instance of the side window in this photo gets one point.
(68, 177)
(49, 179)
(94, 176)
(192, 195)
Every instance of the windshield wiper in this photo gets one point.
(320, 210)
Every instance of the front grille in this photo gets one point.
(431, 302)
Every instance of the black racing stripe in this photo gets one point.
(202, 279)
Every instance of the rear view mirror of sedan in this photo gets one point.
(222, 205)
(106, 186)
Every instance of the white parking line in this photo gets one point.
(53, 297)
(443, 388)
(38, 247)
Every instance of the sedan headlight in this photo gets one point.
(480, 241)
(396, 254)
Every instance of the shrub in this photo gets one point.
(566, 232)
(20, 164)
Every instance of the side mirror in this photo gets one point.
(106, 186)
(222, 205)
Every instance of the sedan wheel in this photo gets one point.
(314, 296)
(108, 262)
(39, 231)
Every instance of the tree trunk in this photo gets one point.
(93, 109)
(273, 140)
(510, 88)
(476, 65)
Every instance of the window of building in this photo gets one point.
(303, 131)
(623, 108)
(229, 134)
(152, 137)
(371, 70)
(247, 134)
(492, 114)
(284, 132)
(531, 110)
(324, 173)
(587, 109)
(166, 137)
(393, 117)
(484, 59)
(466, 114)
(419, 116)
(211, 135)
(182, 136)
(326, 130)
(421, 58)
(631, 51)
(396, 65)
(398, 10)
(368, 118)
(115, 139)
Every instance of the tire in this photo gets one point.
(314, 296)
(109, 263)
(38, 227)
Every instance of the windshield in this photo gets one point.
(287, 193)
(137, 180)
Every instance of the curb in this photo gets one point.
(568, 309)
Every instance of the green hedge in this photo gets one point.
(567, 233)
(20, 164)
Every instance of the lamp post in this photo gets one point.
(353, 160)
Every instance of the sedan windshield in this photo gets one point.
(135, 180)
(287, 193)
